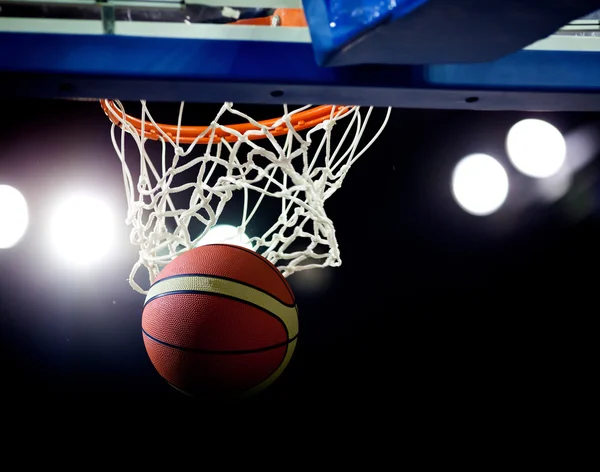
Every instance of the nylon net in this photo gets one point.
(274, 188)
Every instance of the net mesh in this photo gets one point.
(177, 193)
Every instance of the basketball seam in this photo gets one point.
(270, 265)
(222, 278)
(201, 292)
(287, 347)
(233, 395)
(208, 351)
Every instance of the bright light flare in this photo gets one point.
(14, 216)
(536, 148)
(82, 230)
(226, 234)
(480, 184)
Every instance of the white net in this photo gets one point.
(177, 192)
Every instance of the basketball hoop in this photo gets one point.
(202, 134)
(178, 180)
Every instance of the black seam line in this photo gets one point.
(287, 348)
(208, 351)
(275, 269)
(202, 292)
(224, 278)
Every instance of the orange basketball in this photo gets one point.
(220, 320)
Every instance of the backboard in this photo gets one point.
(403, 53)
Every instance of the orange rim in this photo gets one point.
(188, 134)
(290, 17)
(285, 16)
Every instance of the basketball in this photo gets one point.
(220, 320)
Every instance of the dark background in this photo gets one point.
(431, 304)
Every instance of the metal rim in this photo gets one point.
(188, 134)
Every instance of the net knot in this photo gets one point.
(286, 167)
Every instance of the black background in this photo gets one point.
(430, 305)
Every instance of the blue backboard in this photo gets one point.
(505, 55)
